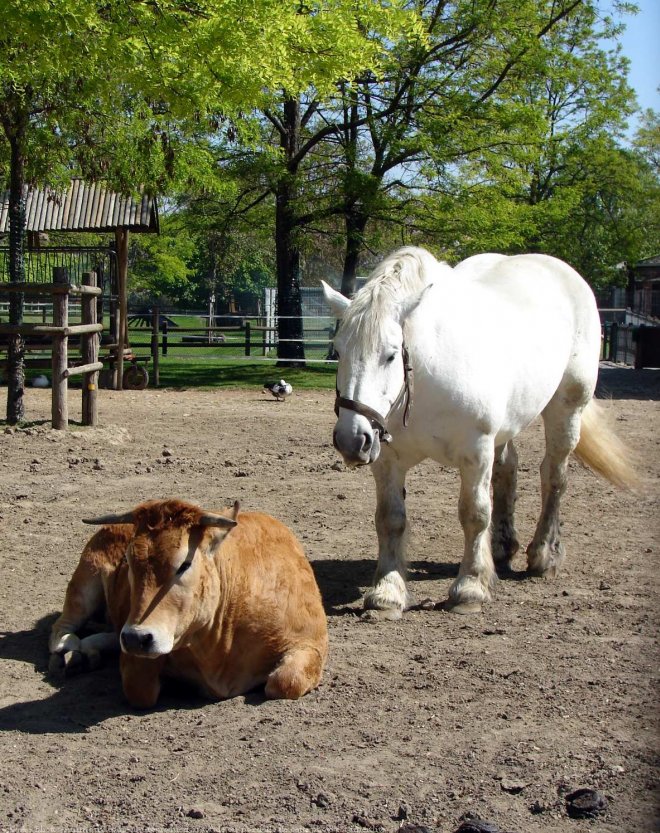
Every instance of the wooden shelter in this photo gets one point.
(92, 208)
(646, 274)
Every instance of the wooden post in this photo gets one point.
(114, 340)
(60, 409)
(121, 236)
(89, 353)
(163, 327)
(155, 319)
(612, 353)
(247, 338)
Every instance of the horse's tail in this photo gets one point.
(601, 450)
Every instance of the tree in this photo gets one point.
(157, 73)
(451, 95)
(558, 180)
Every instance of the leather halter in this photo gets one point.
(375, 418)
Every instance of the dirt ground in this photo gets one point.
(417, 723)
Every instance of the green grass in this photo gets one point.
(223, 373)
(216, 366)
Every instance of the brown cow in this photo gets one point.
(228, 602)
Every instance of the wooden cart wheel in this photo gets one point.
(136, 377)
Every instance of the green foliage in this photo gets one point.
(114, 88)
(159, 269)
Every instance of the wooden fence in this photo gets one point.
(250, 339)
(60, 290)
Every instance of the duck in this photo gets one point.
(280, 390)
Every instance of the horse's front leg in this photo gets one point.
(476, 575)
(388, 595)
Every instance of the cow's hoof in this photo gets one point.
(56, 664)
(388, 614)
(92, 659)
(74, 663)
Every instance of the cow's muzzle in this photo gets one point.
(139, 641)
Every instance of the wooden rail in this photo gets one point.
(59, 332)
(162, 341)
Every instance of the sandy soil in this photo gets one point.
(418, 723)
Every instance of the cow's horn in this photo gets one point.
(212, 519)
(126, 518)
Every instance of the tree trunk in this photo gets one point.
(16, 347)
(355, 224)
(290, 347)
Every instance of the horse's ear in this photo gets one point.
(335, 300)
(409, 304)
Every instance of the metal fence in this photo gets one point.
(77, 260)
(189, 337)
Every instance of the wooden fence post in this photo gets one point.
(247, 338)
(60, 405)
(614, 342)
(89, 353)
(114, 339)
(155, 319)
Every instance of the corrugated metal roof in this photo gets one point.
(84, 207)
(649, 261)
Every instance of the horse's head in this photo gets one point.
(374, 376)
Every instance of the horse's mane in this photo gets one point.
(397, 277)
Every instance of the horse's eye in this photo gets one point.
(391, 358)
(182, 569)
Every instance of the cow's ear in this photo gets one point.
(215, 535)
(218, 526)
(216, 519)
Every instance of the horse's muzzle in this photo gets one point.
(357, 448)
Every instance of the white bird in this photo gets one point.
(280, 390)
(41, 381)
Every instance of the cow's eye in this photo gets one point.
(182, 569)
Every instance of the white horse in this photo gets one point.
(490, 344)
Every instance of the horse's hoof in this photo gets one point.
(463, 608)
(387, 614)
(504, 569)
(549, 573)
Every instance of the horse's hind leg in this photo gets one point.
(562, 432)
(388, 593)
(504, 539)
(477, 571)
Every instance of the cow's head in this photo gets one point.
(172, 591)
